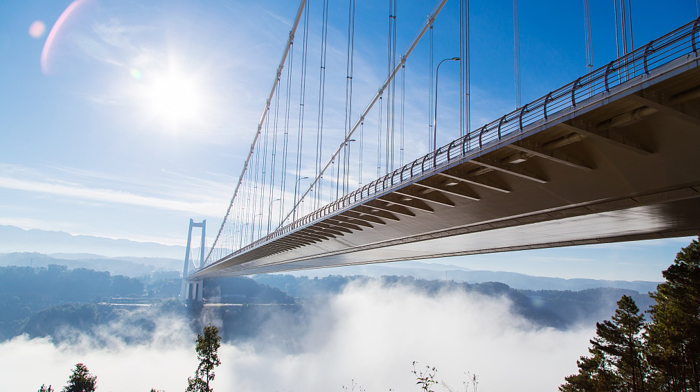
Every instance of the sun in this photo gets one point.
(174, 98)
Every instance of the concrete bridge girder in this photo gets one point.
(621, 166)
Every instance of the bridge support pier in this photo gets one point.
(191, 289)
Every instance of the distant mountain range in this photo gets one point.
(430, 271)
(124, 257)
(128, 266)
(14, 239)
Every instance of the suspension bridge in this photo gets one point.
(611, 156)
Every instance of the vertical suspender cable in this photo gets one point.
(379, 140)
(321, 102)
(587, 33)
(302, 96)
(467, 66)
(254, 201)
(629, 10)
(362, 143)
(274, 157)
(462, 61)
(516, 52)
(302, 5)
(465, 98)
(403, 106)
(623, 24)
(393, 90)
(349, 72)
(617, 29)
(285, 140)
(430, 90)
(338, 179)
(376, 99)
(264, 175)
(391, 63)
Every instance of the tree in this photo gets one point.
(674, 335)
(207, 346)
(618, 359)
(81, 380)
(592, 375)
(45, 389)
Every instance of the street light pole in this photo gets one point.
(437, 70)
(252, 232)
(296, 186)
(269, 215)
(346, 174)
(243, 234)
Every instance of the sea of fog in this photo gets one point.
(370, 335)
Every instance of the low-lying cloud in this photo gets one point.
(370, 333)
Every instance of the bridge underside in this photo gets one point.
(621, 166)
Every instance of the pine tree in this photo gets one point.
(81, 380)
(617, 360)
(592, 375)
(674, 335)
(207, 346)
(622, 340)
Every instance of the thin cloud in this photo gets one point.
(109, 196)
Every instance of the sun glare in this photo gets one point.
(174, 98)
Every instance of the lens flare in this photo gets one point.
(135, 73)
(37, 29)
(54, 30)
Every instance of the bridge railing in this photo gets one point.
(684, 41)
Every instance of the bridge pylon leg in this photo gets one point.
(191, 289)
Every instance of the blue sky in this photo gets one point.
(88, 147)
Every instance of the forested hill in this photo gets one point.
(38, 301)
(25, 291)
(58, 283)
(551, 308)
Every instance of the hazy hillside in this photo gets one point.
(127, 266)
(420, 270)
(14, 239)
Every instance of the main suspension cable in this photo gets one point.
(302, 6)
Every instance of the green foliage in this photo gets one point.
(664, 355)
(25, 291)
(207, 346)
(617, 361)
(621, 343)
(674, 335)
(50, 321)
(61, 284)
(45, 389)
(81, 380)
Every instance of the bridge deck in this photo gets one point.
(620, 165)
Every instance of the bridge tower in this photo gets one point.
(191, 290)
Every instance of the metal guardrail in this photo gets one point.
(683, 41)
